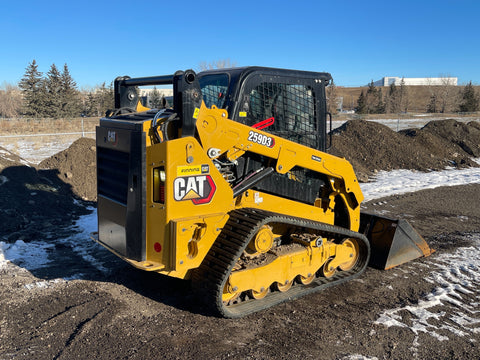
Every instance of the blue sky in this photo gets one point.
(356, 41)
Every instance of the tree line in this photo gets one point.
(53, 95)
(397, 99)
(56, 95)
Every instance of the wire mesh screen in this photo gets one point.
(291, 106)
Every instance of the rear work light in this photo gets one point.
(159, 178)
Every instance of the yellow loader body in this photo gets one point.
(247, 209)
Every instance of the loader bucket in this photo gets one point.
(393, 242)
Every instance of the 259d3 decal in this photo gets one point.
(261, 139)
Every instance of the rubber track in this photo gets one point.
(210, 278)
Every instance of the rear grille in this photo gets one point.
(112, 174)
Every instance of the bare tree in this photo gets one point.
(218, 64)
(11, 101)
(443, 97)
(332, 98)
(448, 95)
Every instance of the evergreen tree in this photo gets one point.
(155, 99)
(371, 102)
(361, 104)
(404, 99)
(391, 102)
(469, 100)
(33, 91)
(379, 106)
(90, 105)
(71, 105)
(103, 99)
(54, 96)
(371, 98)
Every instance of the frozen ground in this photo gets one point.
(456, 277)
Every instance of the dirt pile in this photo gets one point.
(372, 147)
(33, 203)
(76, 166)
(39, 201)
(7, 159)
(448, 137)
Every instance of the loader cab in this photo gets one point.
(286, 103)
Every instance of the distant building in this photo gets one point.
(389, 80)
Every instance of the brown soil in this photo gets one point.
(33, 202)
(125, 313)
(76, 166)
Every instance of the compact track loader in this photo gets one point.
(233, 188)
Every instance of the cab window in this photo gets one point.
(292, 108)
(214, 88)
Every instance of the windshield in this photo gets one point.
(214, 88)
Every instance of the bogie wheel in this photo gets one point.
(327, 270)
(306, 280)
(259, 294)
(353, 245)
(284, 287)
(229, 296)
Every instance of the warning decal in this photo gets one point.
(193, 170)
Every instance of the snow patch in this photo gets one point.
(396, 182)
(35, 255)
(44, 284)
(31, 256)
(359, 357)
(457, 276)
(80, 242)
